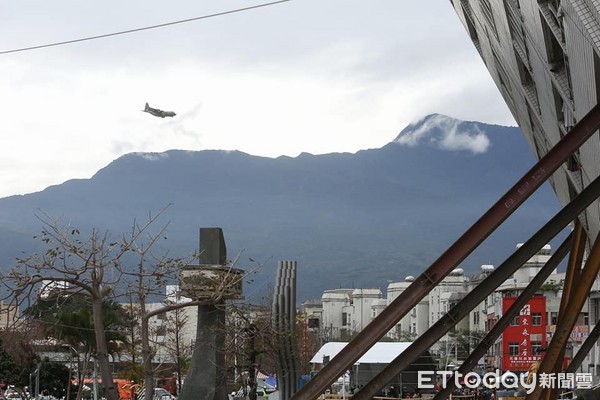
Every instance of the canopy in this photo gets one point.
(380, 353)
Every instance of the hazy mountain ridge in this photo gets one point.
(349, 219)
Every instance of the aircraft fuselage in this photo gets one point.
(158, 113)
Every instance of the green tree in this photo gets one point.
(465, 340)
(406, 336)
(68, 317)
(17, 360)
(54, 379)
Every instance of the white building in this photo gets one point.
(171, 329)
(544, 56)
(414, 323)
(364, 303)
(478, 316)
(447, 294)
(335, 313)
(394, 290)
(347, 311)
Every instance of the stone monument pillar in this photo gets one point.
(212, 281)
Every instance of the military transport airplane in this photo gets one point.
(158, 113)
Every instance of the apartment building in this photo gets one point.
(521, 344)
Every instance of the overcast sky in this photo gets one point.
(314, 76)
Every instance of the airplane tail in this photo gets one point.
(147, 107)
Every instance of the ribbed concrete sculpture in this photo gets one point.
(284, 322)
(214, 282)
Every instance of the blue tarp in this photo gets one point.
(271, 380)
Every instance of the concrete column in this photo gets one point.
(206, 379)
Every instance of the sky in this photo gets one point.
(316, 76)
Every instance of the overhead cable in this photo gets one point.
(141, 29)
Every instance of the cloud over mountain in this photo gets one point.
(444, 133)
(350, 220)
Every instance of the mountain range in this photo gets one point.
(350, 219)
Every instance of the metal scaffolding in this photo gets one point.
(474, 236)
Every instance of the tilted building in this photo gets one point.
(544, 56)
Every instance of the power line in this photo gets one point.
(141, 29)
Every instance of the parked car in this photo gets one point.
(163, 394)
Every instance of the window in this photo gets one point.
(515, 26)
(513, 349)
(502, 73)
(536, 348)
(515, 321)
(554, 51)
(553, 318)
(536, 319)
(476, 317)
(468, 13)
(486, 9)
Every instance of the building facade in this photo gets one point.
(545, 59)
(345, 311)
(521, 344)
(544, 56)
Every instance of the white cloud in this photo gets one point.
(447, 134)
(153, 156)
(310, 76)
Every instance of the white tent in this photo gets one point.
(380, 353)
(375, 360)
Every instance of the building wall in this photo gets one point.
(165, 326)
(9, 314)
(524, 339)
(394, 290)
(484, 315)
(440, 300)
(362, 307)
(335, 312)
(545, 62)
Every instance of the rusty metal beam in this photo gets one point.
(457, 252)
(508, 316)
(584, 349)
(573, 266)
(563, 330)
(571, 278)
(477, 295)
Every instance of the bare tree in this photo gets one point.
(89, 265)
(149, 279)
(97, 265)
(251, 342)
(177, 321)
